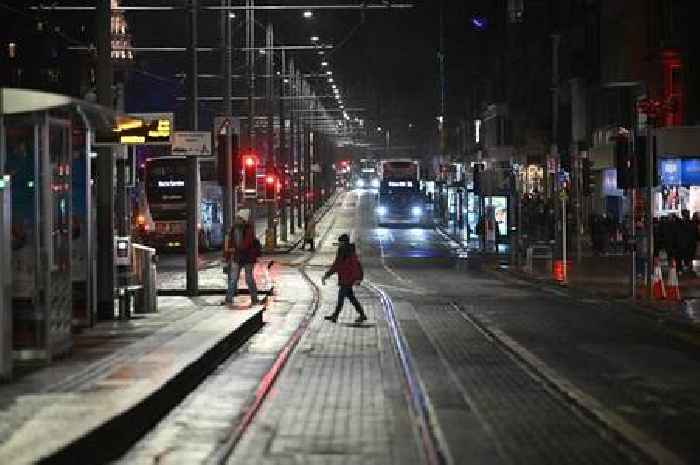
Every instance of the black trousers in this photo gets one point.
(343, 292)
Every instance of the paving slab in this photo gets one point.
(86, 412)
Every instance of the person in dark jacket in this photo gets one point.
(687, 242)
(350, 273)
(241, 251)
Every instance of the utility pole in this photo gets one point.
(292, 148)
(554, 148)
(301, 142)
(228, 111)
(105, 169)
(192, 191)
(443, 85)
(271, 233)
(250, 43)
(284, 155)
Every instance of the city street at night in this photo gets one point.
(349, 232)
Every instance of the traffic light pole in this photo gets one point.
(228, 111)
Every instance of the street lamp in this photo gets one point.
(315, 38)
(308, 14)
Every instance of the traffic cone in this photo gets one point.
(673, 292)
(657, 282)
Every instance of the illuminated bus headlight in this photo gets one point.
(375, 182)
(360, 183)
(381, 210)
(416, 211)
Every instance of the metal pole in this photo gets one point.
(192, 230)
(651, 151)
(563, 237)
(271, 233)
(228, 111)
(284, 156)
(292, 149)
(105, 170)
(250, 44)
(301, 139)
(229, 202)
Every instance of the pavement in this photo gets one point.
(606, 276)
(122, 376)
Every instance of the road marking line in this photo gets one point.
(613, 422)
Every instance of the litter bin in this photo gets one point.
(144, 269)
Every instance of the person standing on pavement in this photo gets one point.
(309, 233)
(688, 242)
(241, 251)
(350, 273)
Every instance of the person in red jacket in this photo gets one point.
(350, 273)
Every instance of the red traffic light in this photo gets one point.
(250, 161)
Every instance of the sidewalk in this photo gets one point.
(121, 376)
(604, 276)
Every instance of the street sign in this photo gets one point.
(138, 129)
(192, 143)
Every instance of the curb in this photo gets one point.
(684, 332)
(114, 437)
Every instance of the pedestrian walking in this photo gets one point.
(241, 251)
(349, 269)
(688, 241)
(309, 233)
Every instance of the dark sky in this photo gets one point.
(386, 62)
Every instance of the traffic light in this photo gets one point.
(250, 173)
(235, 160)
(270, 186)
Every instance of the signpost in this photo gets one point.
(192, 143)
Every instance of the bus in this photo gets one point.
(162, 209)
(400, 199)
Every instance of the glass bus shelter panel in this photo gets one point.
(38, 157)
(22, 144)
(60, 297)
(5, 277)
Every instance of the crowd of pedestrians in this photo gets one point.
(677, 238)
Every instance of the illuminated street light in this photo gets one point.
(324, 63)
(232, 15)
(330, 79)
(330, 73)
(308, 14)
(315, 38)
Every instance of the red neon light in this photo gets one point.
(250, 161)
(270, 179)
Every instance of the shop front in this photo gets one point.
(678, 166)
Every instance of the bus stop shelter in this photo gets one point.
(45, 168)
